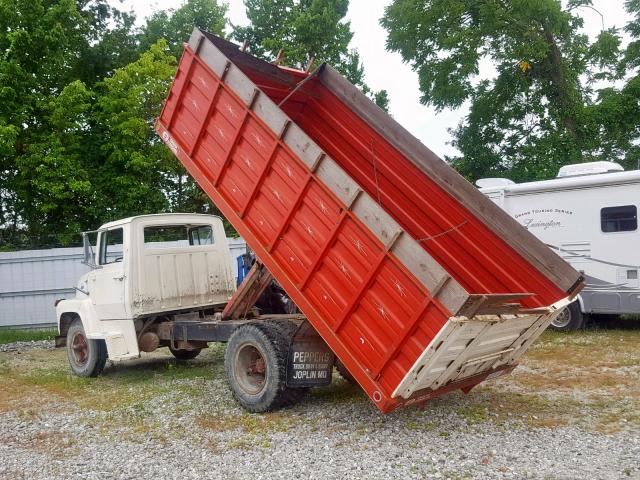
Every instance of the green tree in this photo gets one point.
(541, 108)
(135, 172)
(306, 31)
(175, 26)
(80, 90)
(617, 112)
(133, 164)
(109, 41)
(54, 185)
(41, 44)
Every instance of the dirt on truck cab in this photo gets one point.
(402, 274)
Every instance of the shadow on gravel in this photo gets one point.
(613, 322)
(209, 363)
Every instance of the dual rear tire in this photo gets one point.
(256, 366)
(344, 373)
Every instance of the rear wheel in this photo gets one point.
(256, 364)
(570, 318)
(87, 358)
(183, 355)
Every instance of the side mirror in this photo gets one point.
(89, 256)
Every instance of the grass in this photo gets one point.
(10, 335)
(26, 378)
(253, 424)
(589, 379)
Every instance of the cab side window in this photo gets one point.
(619, 219)
(177, 236)
(111, 250)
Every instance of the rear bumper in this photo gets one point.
(422, 396)
(467, 347)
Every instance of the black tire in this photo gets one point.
(256, 364)
(184, 355)
(344, 373)
(288, 330)
(87, 358)
(571, 318)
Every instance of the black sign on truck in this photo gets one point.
(310, 362)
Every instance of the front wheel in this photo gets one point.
(570, 318)
(87, 358)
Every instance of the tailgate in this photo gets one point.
(467, 347)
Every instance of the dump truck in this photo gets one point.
(400, 271)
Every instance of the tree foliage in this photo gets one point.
(545, 106)
(306, 31)
(42, 110)
(80, 90)
(175, 26)
(134, 164)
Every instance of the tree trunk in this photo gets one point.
(559, 80)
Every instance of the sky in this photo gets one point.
(386, 70)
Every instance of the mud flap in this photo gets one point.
(310, 360)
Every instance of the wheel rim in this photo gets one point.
(563, 318)
(80, 349)
(250, 369)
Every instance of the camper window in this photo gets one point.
(619, 219)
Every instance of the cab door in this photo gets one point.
(108, 282)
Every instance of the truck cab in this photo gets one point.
(143, 268)
(166, 281)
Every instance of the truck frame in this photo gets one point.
(164, 281)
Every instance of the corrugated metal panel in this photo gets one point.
(485, 250)
(31, 281)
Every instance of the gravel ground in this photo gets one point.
(383, 450)
(26, 346)
(153, 418)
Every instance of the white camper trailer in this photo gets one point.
(589, 216)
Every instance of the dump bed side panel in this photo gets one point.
(373, 294)
(482, 247)
(480, 260)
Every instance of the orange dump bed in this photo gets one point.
(417, 282)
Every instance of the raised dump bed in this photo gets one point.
(417, 282)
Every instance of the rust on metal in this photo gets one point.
(247, 294)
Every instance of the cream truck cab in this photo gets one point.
(166, 281)
(144, 267)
